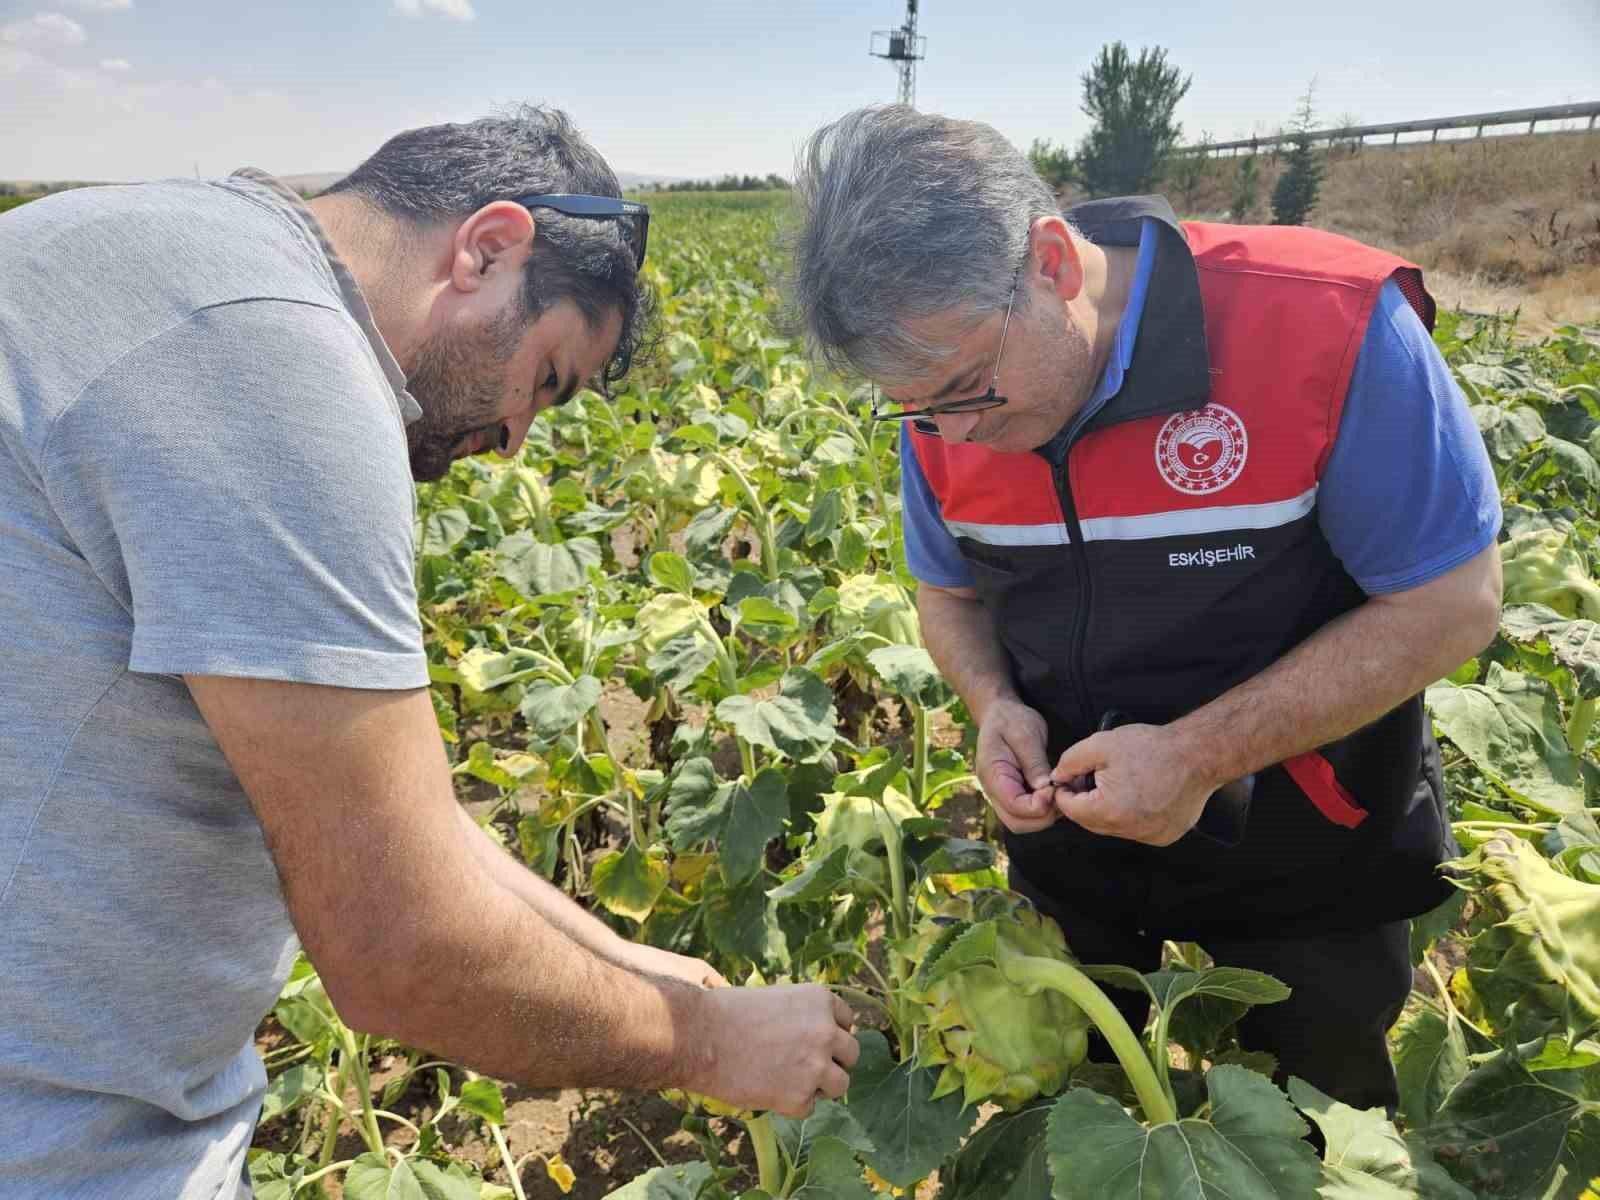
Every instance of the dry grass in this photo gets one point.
(1500, 224)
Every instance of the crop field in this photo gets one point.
(676, 660)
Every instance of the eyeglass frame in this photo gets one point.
(581, 204)
(921, 418)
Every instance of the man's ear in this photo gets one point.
(1053, 254)
(496, 238)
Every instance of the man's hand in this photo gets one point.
(652, 961)
(1013, 768)
(780, 1048)
(1145, 789)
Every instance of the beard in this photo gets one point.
(459, 383)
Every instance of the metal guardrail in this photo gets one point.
(1360, 133)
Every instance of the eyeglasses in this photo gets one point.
(633, 214)
(922, 418)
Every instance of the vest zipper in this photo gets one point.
(1088, 717)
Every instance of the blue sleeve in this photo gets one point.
(931, 553)
(1408, 492)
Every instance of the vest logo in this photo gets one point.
(1201, 452)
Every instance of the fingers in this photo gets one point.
(846, 1051)
(1081, 758)
(835, 1083)
(843, 1017)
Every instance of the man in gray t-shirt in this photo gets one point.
(214, 399)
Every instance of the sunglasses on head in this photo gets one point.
(633, 215)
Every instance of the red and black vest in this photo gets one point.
(1168, 548)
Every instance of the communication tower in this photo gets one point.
(902, 47)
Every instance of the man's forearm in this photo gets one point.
(510, 953)
(1347, 674)
(549, 902)
(961, 638)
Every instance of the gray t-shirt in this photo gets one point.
(202, 470)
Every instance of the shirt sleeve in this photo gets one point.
(931, 553)
(241, 484)
(1408, 492)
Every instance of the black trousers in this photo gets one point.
(1347, 989)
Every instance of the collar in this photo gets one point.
(350, 291)
(1171, 369)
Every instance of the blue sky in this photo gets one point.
(128, 89)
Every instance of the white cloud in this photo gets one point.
(102, 5)
(44, 31)
(456, 10)
(115, 64)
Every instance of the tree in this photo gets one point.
(1191, 171)
(1053, 163)
(1131, 102)
(1246, 190)
(1296, 193)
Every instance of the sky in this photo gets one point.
(138, 89)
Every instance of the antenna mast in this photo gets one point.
(902, 47)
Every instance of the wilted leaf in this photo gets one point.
(482, 1098)
(1510, 727)
(538, 568)
(553, 708)
(798, 722)
(630, 883)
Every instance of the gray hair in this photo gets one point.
(448, 172)
(902, 215)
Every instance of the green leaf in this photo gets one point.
(741, 921)
(444, 531)
(373, 1177)
(289, 1090)
(666, 1183)
(553, 708)
(451, 1182)
(1505, 1127)
(707, 530)
(767, 621)
(682, 659)
(1507, 432)
(1510, 727)
(1434, 924)
(630, 883)
(1574, 643)
(1430, 1058)
(756, 813)
(798, 722)
(828, 1119)
(816, 881)
(1251, 1150)
(912, 1133)
(697, 804)
(672, 571)
(538, 568)
(833, 1173)
(482, 1098)
(824, 518)
(1005, 1160)
(909, 672)
(1366, 1157)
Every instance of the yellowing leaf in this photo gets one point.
(556, 1167)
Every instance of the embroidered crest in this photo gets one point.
(1203, 451)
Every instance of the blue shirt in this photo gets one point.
(1406, 445)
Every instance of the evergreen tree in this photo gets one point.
(1131, 102)
(1052, 162)
(1246, 190)
(1296, 193)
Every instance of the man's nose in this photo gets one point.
(519, 434)
(956, 427)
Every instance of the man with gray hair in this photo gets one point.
(1196, 512)
(214, 400)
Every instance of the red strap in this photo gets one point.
(1315, 776)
